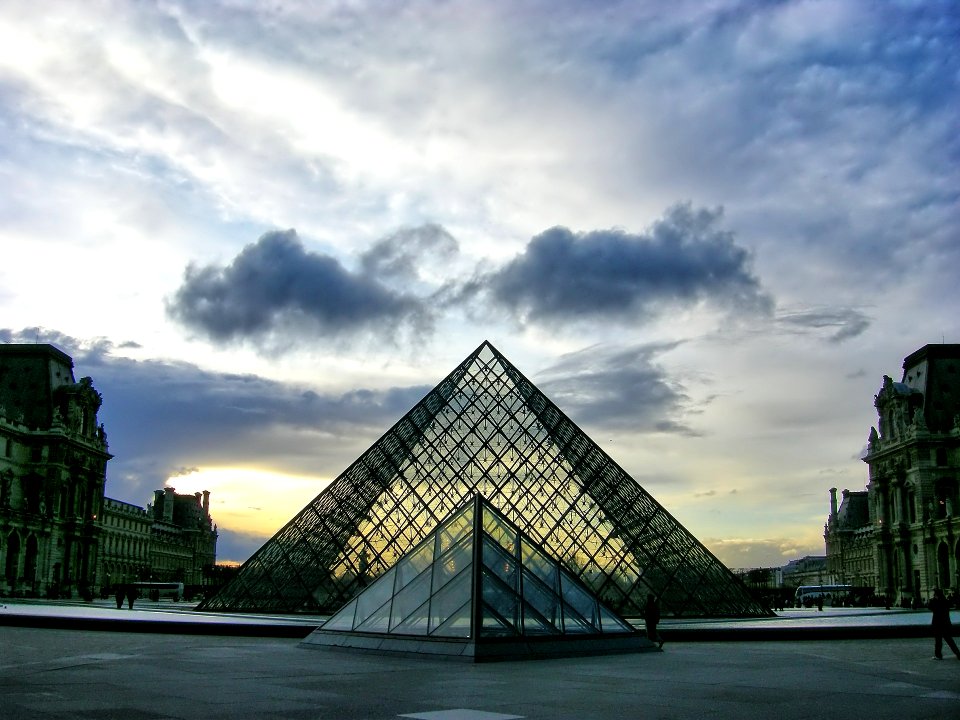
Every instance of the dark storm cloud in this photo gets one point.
(275, 285)
(619, 388)
(838, 324)
(162, 418)
(684, 259)
(401, 254)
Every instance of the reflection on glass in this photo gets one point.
(485, 428)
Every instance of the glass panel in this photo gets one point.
(541, 599)
(533, 624)
(539, 564)
(579, 599)
(409, 599)
(457, 625)
(343, 620)
(378, 621)
(455, 528)
(574, 623)
(417, 622)
(501, 599)
(446, 602)
(458, 559)
(499, 563)
(611, 623)
(494, 626)
(374, 597)
(414, 564)
(500, 531)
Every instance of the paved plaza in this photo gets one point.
(51, 674)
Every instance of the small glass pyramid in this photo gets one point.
(486, 429)
(480, 580)
(522, 590)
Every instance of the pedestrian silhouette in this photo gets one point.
(120, 596)
(132, 595)
(942, 629)
(651, 616)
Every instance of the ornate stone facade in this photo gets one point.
(59, 535)
(53, 459)
(902, 535)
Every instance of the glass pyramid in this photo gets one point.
(430, 590)
(479, 580)
(487, 429)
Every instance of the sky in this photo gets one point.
(705, 229)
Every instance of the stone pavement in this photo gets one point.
(51, 674)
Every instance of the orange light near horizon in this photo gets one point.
(249, 500)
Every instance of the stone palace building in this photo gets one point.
(59, 534)
(901, 535)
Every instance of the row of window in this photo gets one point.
(140, 525)
(129, 547)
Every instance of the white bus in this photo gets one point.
(157, 590)
(809, 594)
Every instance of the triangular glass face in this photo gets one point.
(486, 429)
(425, 593)
(526, 592)
(523, 591)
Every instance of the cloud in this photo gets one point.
(684, 260)
(619, 388)
(404, 253)
(838, 324)
(738, 552)
(275, 287)
(164, 418)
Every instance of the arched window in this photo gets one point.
(32, 484)
(30, 561)
(945, 498)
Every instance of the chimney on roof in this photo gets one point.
(168, 493)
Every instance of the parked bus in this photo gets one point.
(157, 590)
(807, 595)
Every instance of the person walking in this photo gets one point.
(120, 596)
(651, 616)
(132, 595)
(942, 629)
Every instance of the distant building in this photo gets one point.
(902, 534)
(59, 534)
(126, 543)
(808, 570)
(172, 540)
(184, 538)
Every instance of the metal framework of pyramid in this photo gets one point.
(487, 429)
(478, 588)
